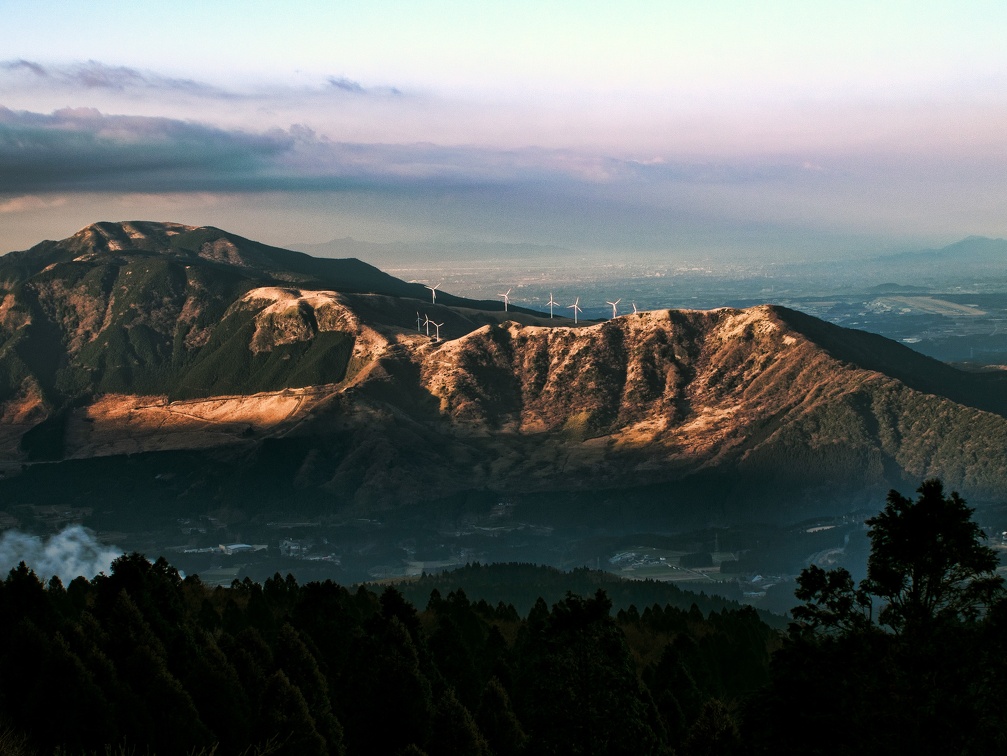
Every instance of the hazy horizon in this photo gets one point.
(735, 131)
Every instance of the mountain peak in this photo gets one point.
(108, 236)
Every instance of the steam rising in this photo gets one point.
(71, 553)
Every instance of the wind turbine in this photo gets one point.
(419, 322)
(613, 305)
(552, 303)
(433, 293)
(427, 321)
(576, 309)
(506, 298)
(634, 308)
(437, 326)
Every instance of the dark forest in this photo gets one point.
(144, 661)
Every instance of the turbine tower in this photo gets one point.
(437, 326)
(506, 298)
(433, 293)
(552, 303)
(427, 321)
(634, 308)
(419, 322)
(613, 305)
(576, 309)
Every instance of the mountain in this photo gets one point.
(966, 261)
(160, 308)
(224, 368)
(973, 250)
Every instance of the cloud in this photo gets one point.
(95, 75)
(354, 87)
(346, 85)
(71, 553)
(82, 149)
(644, 198)
(26, 65)
(31, 202)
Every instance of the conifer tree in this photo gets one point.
(498, 722)
(578, 691)
(285, 720)
(454, 731)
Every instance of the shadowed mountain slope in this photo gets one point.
(987, 391)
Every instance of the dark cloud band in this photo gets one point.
(82, 149)
(85, 150)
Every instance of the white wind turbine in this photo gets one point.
(419, 322)
(427, 321)
(634, 308)
(576, 309)
(552, 303)
(437, 326)
(506, 298)
(613, 305)
(433, 293)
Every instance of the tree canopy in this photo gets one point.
(908, 661)
(148, 662)
(928, 565)
(928, 561)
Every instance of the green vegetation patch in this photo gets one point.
(227, 366)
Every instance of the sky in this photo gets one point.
(724, 130)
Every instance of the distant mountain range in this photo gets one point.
(979, 250)
(143, 341)
(961, 262)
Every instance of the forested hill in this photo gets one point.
(146, 661)
(521, 585)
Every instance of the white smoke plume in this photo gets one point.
(71, 553)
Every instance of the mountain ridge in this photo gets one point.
(142, 338)
(973, 249)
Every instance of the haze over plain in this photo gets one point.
(733, 131)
